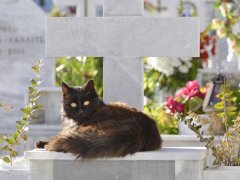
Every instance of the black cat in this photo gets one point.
(93, 129)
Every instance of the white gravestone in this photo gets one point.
(123, 37)
(22, 26)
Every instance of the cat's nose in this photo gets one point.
(80, 111)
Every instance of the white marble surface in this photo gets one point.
(17, 171)
(168, 153)
(51, 100)
(22, 28)
(123, 8)
(122, 36)
(123, 76)
(222, 173)
(123, 81)
(66, 2)
(164, 164)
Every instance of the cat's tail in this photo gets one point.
(95, 145)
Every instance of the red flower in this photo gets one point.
(213, 50)
(179, 107)
(174, 106)
(205, 42)
(204, 55)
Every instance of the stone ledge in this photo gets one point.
(167, 153)
(222, 173)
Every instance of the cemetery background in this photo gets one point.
(73, 76)
(53, 93)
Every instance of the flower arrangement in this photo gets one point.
(186, 106)
(189, 98)
(229, 25)
(170, 73)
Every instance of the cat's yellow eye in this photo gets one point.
(85, 103)
(73, 105)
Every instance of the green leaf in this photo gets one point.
(34, 83)
(31, 90)
(32, 99)
(13, 154)
(220, 95)
(9, 141)
(231, 108)
(219, 105)
(195, 104)
(5, 148)
(37, 107)
(35, 68)
(25, 110)
(19, 122)
(221, 114)
(16, 133)
(19, 127)
(6, 159)
(24, 118)
(231, 113)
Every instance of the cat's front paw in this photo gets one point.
(40, 144)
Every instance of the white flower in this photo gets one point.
(175, 62)
(188, 64)
(229, 6)
(170, 71)
(162, 65)
(183, 69)
(222, 10)
(186, 59)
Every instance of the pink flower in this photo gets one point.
(192, 89)
(179, 93)
(179, 107)
(174, 106)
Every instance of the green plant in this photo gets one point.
(77, 70)
(9, 142)
(169, 73)
(226, 150)
(165, 122)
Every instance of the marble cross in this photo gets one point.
(123, 37)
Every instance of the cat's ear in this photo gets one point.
(65, 88)
(89, 86)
